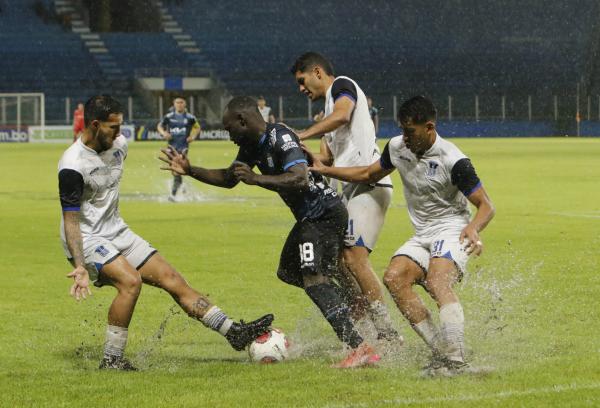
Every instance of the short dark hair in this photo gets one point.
(309, 60)
(418, 109)
(243, 104)
(100, 107)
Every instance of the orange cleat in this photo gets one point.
(362, 356)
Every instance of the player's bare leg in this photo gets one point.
(158, 272)
(356, 259)
(400, 277)
(441, 277)
(128, 283)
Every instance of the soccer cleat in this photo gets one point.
(362, 356)
(242, 334)
(116, 363)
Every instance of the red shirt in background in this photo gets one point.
(78, 124)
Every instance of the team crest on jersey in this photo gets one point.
(286, 138)
(432, 167)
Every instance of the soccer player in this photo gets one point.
(179, 128)
(348, 139)
(438, 181)
(103, 249)
(265, 111)
(311, 253)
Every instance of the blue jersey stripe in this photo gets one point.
(293, 163)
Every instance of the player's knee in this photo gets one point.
(398, 279)
(130, 285)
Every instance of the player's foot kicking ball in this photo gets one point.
(362, 356)
(391, 335)
(242, 334)
(116, 363)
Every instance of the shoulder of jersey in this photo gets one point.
(71, 158)
(120, 142)
(190, 116)
(450, 150)
(170, 115)
(397, 143)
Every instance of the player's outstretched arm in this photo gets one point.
(359, 174)
(164, 133)
(179, 163)
(342, 114)
(81, 280)
(485, 213)
(294, 178)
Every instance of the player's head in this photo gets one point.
(179, 104)
(80, 106)
(417, 117)
(369, 102)
(243, 121)
(261, 101)
(103, 116)
(313, 73)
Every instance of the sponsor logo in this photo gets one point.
(286, 138)
(13, 135)
(289, 145)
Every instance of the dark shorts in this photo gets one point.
(314, 247)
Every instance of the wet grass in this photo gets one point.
(531, 301)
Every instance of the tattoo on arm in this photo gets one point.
(73, 237)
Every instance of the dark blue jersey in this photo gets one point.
(179, 126)
(278, 150)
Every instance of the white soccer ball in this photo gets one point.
(270, 347)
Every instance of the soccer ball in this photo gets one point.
(270, 347)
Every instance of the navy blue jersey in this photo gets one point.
(278, 150)
(179, 126)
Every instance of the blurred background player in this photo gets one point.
(103, 249)
(179, 128)
(436, 256)
(78, 123)
(265, 111)
(374, 112)
(311, 253)
(348, 139)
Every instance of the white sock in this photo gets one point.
(452, 320)
(428, 332)
(217, 320)
(116, 340)
(380, 316)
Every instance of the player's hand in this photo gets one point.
(242, 172)
(314, 163)
(81, 283)
(177, 162)
(319, 116)
(167, 136)
(470, 238)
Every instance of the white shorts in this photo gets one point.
(366, 213)
(444, 244)
(99, 251)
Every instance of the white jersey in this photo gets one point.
(265, 112)
(353, 144)
(435, 186)
(89, 182)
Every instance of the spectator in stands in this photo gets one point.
(78, 124)
(374, 112)
(265, 111)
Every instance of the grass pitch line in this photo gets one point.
(556, 389)
(576, 215)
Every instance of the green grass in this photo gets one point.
(531, 301)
